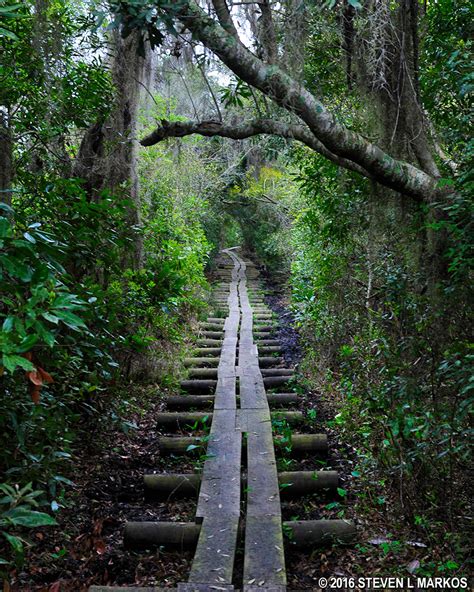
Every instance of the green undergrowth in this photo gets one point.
(77, 327)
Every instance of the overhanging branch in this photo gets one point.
(292, 96)
(179, 129)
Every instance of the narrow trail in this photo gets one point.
(235, 378)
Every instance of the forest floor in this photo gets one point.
(87, 547)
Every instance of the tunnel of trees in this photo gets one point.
(331, 140)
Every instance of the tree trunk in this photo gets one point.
(6, 159)
(107, 157)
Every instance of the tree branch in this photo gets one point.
(179, 129)
(224, 16)
(289, 94)
(268, 35)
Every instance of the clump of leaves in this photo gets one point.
(19, 515)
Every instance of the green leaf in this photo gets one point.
(69, 318)
(27, 343)
(29, 518)
(14, 541)
(6, 208)
(7, 33)
(342, 492)
(5, 228)
(191, 447)
(11, 362)
(8, 324)
(355, 4)
(50, 317)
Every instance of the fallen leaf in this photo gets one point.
(413, 566)
(35, 377)
(416, 544)
(99, 546)
(47, 378)
(379, 541)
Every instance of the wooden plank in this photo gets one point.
(190, 587)
(264, 561)
(268, 567)
(218, 508)
(217, 540)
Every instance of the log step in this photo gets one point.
(188, 419)
(268, 362)
(269, 349)
(205, 401)
(276, 381)
(207, 351)
(268, 342)
(301, 444)
(184, 535)
(183, 420)
(259, 335)
(277, 372)
(198, 386)
(149, 535)
(213, 335)
(318, 533)
(212, 362)
(187, 401)
(202, 373)
(214, 343)
(292, 484)
(211, 326)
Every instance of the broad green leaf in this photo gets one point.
(69, 318)
(29, 518)
(7, 33)
(11, 362)
(14, 541)
(27, 343)
(50, 317)
(6, 208)
(8, 324)
(5, 228)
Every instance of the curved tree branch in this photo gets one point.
(290, 95)
(224, 16)
(179, 129)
